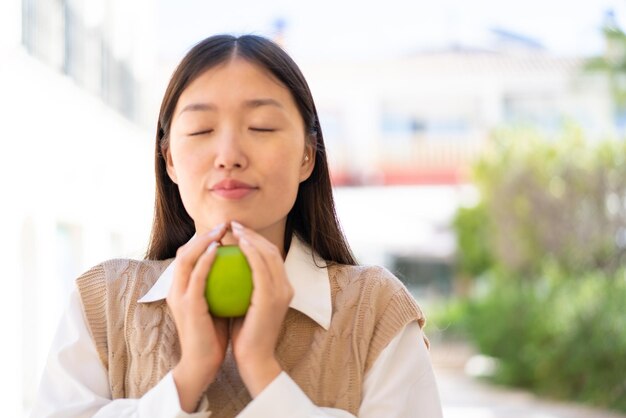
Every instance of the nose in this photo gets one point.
(230, 153)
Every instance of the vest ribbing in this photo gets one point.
(138, 343)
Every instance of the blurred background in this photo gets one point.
(476, 151)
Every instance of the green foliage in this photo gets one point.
(549, 238)
(564, 339)
(472, 231)
(448, 319)
(558, 200)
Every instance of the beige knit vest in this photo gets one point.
(138, 343)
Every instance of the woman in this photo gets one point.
(240, 159)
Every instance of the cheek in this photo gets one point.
(285, 174)
(189, 166)
(187, 163)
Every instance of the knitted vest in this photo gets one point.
(138, 343)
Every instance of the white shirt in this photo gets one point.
(400, 384)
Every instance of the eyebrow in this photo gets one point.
(262, 102)
(252, 104)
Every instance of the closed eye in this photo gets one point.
(259, 129)
(206, 131)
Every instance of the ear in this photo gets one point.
(308, 163)
(169, 165)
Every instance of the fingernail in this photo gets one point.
(211, 247)
(236, 225)
(218, 228)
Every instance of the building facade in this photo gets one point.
(423, 118)
(78, 164)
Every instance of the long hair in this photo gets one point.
(312, 218)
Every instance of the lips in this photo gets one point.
(232, 189)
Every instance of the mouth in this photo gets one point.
(232, 189)
(234, 193)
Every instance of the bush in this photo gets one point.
(562, 338)
(472, 233)
(558, 200)
(549, 237)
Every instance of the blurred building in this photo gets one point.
(77, 163)
(107, 47)
(418, 122)
(422, 118)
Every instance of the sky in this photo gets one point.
(364, 29)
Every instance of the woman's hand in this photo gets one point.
(203, 339)
(254, 336)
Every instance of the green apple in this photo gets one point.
(229, 283)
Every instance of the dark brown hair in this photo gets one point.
(312, 218)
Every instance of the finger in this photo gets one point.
(187, 256)
(274, 263)
(197, 282)
(261, 244)
(254, 237)
(272, 257)
(260, 273)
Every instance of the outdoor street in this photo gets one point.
(466, 397)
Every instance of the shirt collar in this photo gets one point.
(308, 277)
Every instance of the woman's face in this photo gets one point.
(237, 149)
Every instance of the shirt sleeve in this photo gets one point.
(75, 383)
(400, 384)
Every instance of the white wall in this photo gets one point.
(78, 189)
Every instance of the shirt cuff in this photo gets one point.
(281, 398)
(163, 401)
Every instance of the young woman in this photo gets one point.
(240, 159)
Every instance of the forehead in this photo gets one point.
(232, 82)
